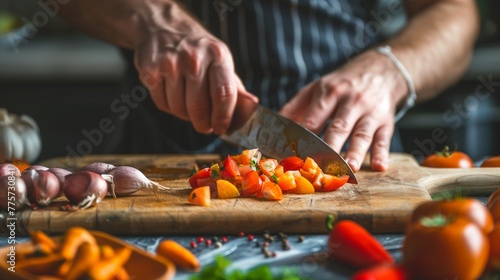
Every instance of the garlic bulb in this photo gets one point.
(19, 137)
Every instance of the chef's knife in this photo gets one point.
(255, 126)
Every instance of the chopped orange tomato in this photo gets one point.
(287, 180)
(200, 196)
(303, 186)
(310, 169)
(271, 191)
(226, 189)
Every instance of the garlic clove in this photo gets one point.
(60, 173)
(42, 186)
(7, 169)
(98, 167)
(85, 188)
(126, 180)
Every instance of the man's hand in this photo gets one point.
(360, 99)
(188, 71)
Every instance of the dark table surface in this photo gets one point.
(307, 256)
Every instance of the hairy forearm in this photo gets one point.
(436, 46)
(126, 23)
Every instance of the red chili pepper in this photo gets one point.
(351, 244)
(382, 272)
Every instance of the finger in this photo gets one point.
(361, 139)
(174, 85)
(380, 147)
(197, 98)
(223, 89)
(323, 104)
(145, 60)
(242, 91)
(341, 126)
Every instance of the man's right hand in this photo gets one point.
(188, 71)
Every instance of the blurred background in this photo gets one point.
(68, 81)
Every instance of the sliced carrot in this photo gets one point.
(303, 186)
(86, 256)
(73, 238)
(105, 269)
(38, 237)
(200, 196)
(106, 252)
(179, 255)
(226, 189)
(121, 274)
(271, 191)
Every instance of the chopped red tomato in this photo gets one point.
(230, 168)
(292, 163)
(251, 184)
(330, 183)
(201, 174)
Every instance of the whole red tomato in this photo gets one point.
(494, 238)
(448, 159)
(491, 162)
(443, 248)
(468, 208)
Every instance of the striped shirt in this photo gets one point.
(281, 45)
(278, 46)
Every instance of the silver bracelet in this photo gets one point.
(412, 96)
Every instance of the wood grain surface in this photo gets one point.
(382, 201)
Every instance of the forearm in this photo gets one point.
(436, 46)
(126, 23)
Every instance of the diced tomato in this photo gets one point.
(271, 191)
(310, 169)
(278, 171)
(201, 174)
(254, 155)
(303, 186)
(332, 182)
(230, 168)
(200, 196)
(244, 169)
(265, 178)
(241, 159)
(251, 184)
(292, 163)
(268, 165)
(287, 180)
(226, 189)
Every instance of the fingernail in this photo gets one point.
(353, 163)
(380, 165)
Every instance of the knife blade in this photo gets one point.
(255, 126)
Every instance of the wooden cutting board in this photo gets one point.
(382, 201)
